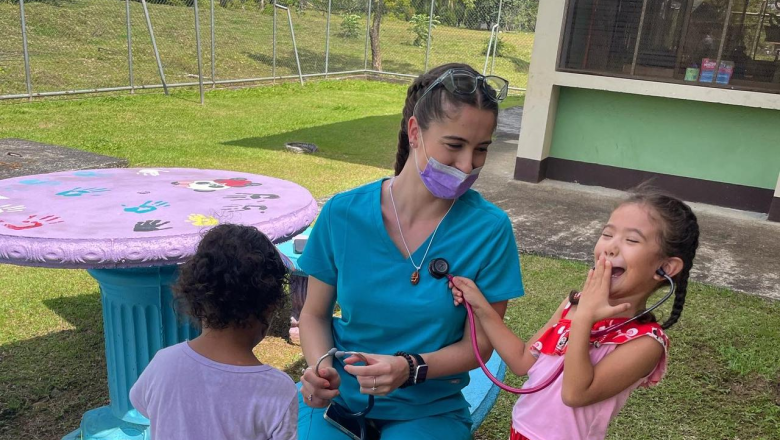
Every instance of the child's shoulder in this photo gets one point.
(273, 384)
(169, 354)
(282, 378)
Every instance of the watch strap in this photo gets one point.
(408, 357)
(420, 363)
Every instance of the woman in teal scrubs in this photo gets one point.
(369, 251)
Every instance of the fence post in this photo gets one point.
(129, 47)
(213, 51)
(197, 47)
(368, 29)
(493, 33)
(28, 77)
(295, 47)
(430, 27)
(273, 68)
(154, 46)
(327, 39)
(498, 35)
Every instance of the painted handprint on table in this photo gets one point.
(79, 191)
(235, 208)
(88, 173)
(150, 172)
(249, 196)
(31, 222)
(147, 206)
(150, 226)
(40, 182)
(11, 208)
(202, 220)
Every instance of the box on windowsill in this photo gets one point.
(725, 71)
(707, 70)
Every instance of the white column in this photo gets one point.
(777, 187)
(542, 95)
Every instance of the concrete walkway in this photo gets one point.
(739, 250)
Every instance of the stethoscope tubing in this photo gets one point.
(336, 353)
(549, 380)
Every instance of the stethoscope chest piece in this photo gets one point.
(439, 268)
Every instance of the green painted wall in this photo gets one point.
(717, 142)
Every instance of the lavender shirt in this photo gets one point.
(188, 396)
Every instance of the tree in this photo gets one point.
(419, 26)
(376, 50)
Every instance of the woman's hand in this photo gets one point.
(318, 391)
(465, 289)
(381, 376)
(594, 300)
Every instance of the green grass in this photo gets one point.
(355, 124)
(724, 364)
(81, 44)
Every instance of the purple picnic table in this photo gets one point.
(130, 228)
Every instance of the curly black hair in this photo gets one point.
(235, 276)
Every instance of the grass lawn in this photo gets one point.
(81, 44)
(724, 364)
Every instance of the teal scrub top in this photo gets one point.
(382, 312)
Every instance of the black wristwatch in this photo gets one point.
(417, 374)
(421, 371)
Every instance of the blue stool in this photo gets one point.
(481, 393)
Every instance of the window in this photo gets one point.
(714, 43)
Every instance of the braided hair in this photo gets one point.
(433, 108)
(678, 237)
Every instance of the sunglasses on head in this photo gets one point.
(463, 82)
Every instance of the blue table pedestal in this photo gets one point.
(138, 320)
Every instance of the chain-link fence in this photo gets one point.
(56, 47)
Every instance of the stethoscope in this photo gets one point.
(440, 268)
(360, 416)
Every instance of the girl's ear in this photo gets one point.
(672, 266)
(413, 130)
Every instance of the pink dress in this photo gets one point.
(544, 416)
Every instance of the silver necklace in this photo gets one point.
(415, 278)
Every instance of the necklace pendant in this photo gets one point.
(415, 277)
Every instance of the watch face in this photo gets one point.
(420, 374)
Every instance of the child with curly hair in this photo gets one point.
(213, 386)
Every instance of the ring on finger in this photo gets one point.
(374, 387)
(309, 397)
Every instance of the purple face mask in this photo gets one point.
(443, 181)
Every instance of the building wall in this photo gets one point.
(700, 140)
(706, 144)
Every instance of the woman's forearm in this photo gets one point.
(459, 357)
(316, 338)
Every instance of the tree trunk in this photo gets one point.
(376, 50)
